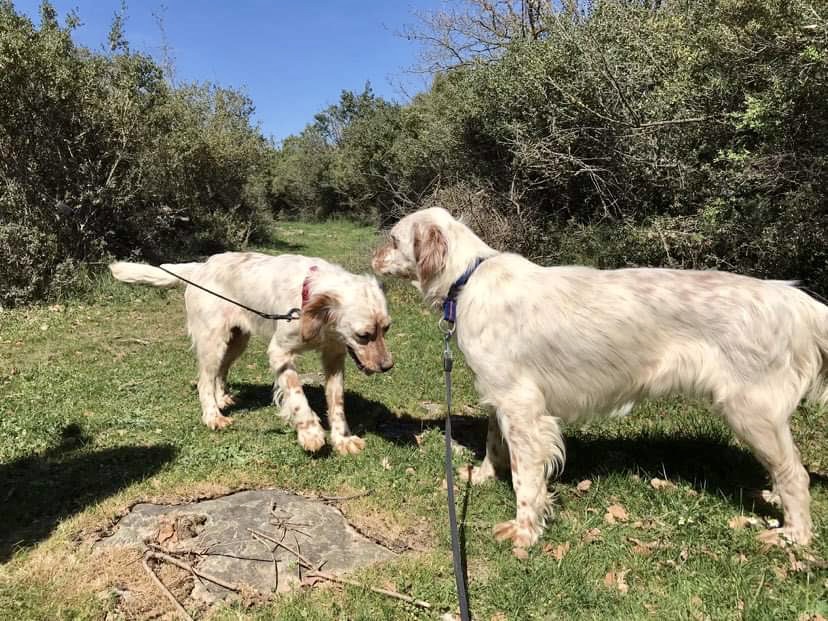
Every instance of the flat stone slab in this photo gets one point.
(218, 527)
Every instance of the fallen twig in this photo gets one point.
(341, 498)
(273, 556)
(299, 551)
(315, 572)
(132, 339)
(186, 566)
(406, 598)
(179, 608)
(131, 384)
(298, 555)
(282, 521)
(206, 552)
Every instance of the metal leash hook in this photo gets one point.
(292, 314)
(448, 357)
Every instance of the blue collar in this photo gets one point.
(450, 303)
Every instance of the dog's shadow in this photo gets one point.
(702, 461)
(37, 492)
(367, 415)
(705, 463)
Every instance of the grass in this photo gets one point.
(99, 411)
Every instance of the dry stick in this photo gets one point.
(186, 566)
(132, 339)
(184, 614)
(299, 565)
(283, 520)
(316, 573)
(298, 555)
(273, 556)
(206, 552)
(340, 498)
(326, 576)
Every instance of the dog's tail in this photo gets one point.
(819, 389)
(818, 392)
(144, 274)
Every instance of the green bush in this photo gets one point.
(102, 158)
(690, 133)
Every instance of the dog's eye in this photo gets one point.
(363, 337)
(386, 328)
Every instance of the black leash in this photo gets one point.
(293, 313)
(447, 324)
(457, 553)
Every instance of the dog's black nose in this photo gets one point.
(387, 364)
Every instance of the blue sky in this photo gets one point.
(292, 57)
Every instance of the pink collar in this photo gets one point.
(306, 285)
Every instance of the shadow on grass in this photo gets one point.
(704, 462)
(37, 492)
(366, 415)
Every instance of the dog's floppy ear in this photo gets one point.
(316, 312)
(430, 250)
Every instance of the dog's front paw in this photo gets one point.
(349, 445)
(476, 475)
(520, 536)
(218, 422)
(311, 436)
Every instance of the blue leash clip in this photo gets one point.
(450, 310)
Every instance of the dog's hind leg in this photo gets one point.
(496, 460)
(210, 350)
(341, 438)
(762, 423)
(235, 348)
(295, 407)
(535, 450)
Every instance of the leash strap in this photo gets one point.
(447, 324)
(293, 313)
(456, 552)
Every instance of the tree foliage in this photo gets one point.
(617, 132)
(102, 157)
(689, 133)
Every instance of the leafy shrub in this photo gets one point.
(102, 157)
(688, 133)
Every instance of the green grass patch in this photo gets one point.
(99, 410)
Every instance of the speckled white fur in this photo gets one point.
(341, 307)
(556, 344)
